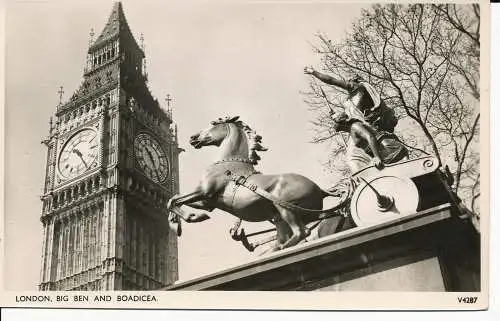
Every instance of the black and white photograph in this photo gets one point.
(246, 151)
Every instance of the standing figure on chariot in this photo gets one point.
(369, 122)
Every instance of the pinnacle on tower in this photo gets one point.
(91, 36)
(168, 99)
(60, 92)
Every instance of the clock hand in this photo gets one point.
(157, 175)
(79, 154)
(150, 156)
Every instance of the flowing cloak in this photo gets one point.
(364, 104)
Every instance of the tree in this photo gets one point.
(465, 60)
(424, 59)
(463, 57)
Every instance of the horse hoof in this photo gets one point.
(195, 218)
(235, 235)
(171, 203)
(270, 249)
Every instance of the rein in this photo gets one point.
(325, 213)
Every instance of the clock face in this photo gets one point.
(79, 154)
(150, 158)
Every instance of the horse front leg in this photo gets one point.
(201, 205)
(196, 199)
(178, 200)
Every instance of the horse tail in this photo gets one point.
(343, 188)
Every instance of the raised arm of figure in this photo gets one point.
(328, 79)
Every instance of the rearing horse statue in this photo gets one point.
(289, 201)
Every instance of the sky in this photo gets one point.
(214, 58)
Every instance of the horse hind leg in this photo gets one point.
(299, 230)
(283, 233)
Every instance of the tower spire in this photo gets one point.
(144, 60)
(168, 99)
(60, 92)
(91, 38)
(51, 127)
(116, 26)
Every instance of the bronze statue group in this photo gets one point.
(291, 202)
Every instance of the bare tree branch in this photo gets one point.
(422, 58)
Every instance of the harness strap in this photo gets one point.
(325, 213)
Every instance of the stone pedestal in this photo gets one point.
(432, 250)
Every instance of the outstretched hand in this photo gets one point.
(308, 70)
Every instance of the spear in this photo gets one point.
(332, 111)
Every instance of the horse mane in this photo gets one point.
(254, 140)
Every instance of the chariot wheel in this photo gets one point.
(383, 198)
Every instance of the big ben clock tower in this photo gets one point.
(112, 164)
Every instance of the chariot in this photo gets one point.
(379, 196)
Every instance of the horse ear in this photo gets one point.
(233, 119)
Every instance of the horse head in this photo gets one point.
(236, 139)
(212, 135)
